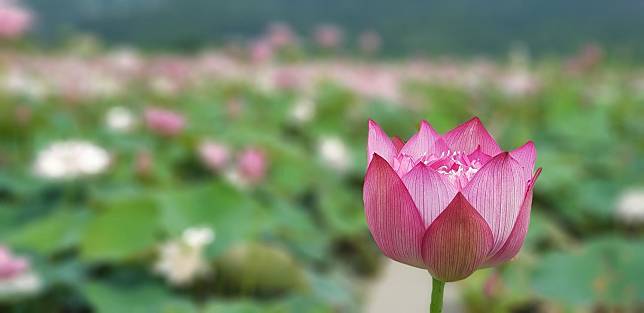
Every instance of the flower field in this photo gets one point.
(230, 180)
(209, 183)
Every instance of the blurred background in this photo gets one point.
(208, 156)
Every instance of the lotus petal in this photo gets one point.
(427, 141)
(380, 143)
(497, 191)
(392, 216)
(430, 190)
(517, 236)
(457, 242)
(470, 135)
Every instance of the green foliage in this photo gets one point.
(260, 269)
(122, 229)
(146, 298)
(51, 233)
(606, 271)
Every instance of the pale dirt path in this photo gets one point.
(405, 289)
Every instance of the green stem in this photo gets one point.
(436, 305)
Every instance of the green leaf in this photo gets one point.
(567, 278)
(59, 230)
(124, 228)
(606, 271)
(342, 208)
(232, 215)
(235, 307)
(109, 298)
(293, 225)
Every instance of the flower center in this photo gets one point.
(456, 165)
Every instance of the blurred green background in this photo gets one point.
(208, 156)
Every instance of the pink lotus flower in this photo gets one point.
(14, 20)
(252, 165)
(448, 203)
(164, 122)
(214, 155)
(280, 35)
(261, 51)
(285, 79)
(328, 36)
(586, 60)
(17, 278)
(10, 265)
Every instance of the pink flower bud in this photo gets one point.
(214, 155)
(328, 36)
(261, 51)
(586, 60)
(10, 265)
(164, 122)
(143, 163)
(14, 20)
(448, 203)
(280, 35)
(252, 165)
(286, 79)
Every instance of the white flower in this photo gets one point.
(182, 260)
(264, 81)
(518, 84)
(20, 83)
(630, 206)
(23, 284)
(303, 111)
(233, 177)
(198, 237)
(334, 153)
(126, 59)
(120, 119)
(71, 159)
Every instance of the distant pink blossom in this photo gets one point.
(261, 51)
(11, 266)
(369, 42)
(252, 165)
(280, 35)
(143, 163)
(328, 36)
(286, 79)
(164, 122)
(214, 155)
(448, 203)
(518, 83)
(14, 20)
(586, 59)
(372, 83)
(169, 76)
